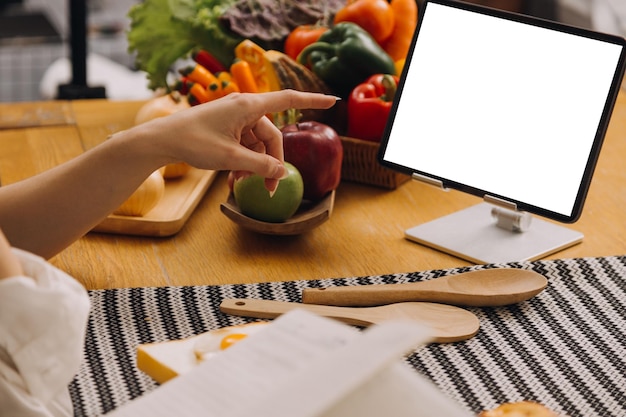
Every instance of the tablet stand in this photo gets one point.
(487, 233)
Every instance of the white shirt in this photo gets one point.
(43, 318)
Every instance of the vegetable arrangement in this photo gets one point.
(164, 31)
(253, 70)
(202, 50)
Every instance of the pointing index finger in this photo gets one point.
(277, 101)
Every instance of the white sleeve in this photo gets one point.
(43, 317)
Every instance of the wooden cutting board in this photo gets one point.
(180, 199)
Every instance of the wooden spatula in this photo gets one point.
(450, 324)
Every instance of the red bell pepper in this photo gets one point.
(369, 104)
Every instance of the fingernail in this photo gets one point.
(242, 177)
(273, 190)
(271, 186)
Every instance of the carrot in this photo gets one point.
(242, 74)
(397, 45)
(198, 74)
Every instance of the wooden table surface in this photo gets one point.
(363, 237)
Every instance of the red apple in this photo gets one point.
(316, 150)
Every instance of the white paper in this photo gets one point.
(302, 365)
(246, 372)
(339, 373)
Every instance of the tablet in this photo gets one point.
(504, 106)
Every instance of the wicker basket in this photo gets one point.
(360, 165)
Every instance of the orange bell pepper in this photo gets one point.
(375, 16)
(397, 45)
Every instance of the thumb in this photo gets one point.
(272, 169)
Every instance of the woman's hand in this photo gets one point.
(233, 133)
(45, 213)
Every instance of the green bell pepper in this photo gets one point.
(345, 56)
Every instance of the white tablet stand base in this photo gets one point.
(484, 233)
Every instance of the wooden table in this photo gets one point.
(363, 237)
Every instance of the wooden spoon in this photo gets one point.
(482, 288)
(449, 324)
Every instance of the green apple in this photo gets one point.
(255, 201)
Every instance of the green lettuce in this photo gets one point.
(163, 31)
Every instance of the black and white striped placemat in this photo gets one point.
(565, 348)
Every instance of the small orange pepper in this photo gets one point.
(197, 94)
(198, 74)
(224, 76)
(229, 87)
(214, 90)
(242, 74)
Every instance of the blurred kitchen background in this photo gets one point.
(34, 41)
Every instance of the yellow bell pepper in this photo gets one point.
(262, 69)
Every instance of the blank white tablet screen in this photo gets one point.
(502, 106)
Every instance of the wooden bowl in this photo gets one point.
(308, 217)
